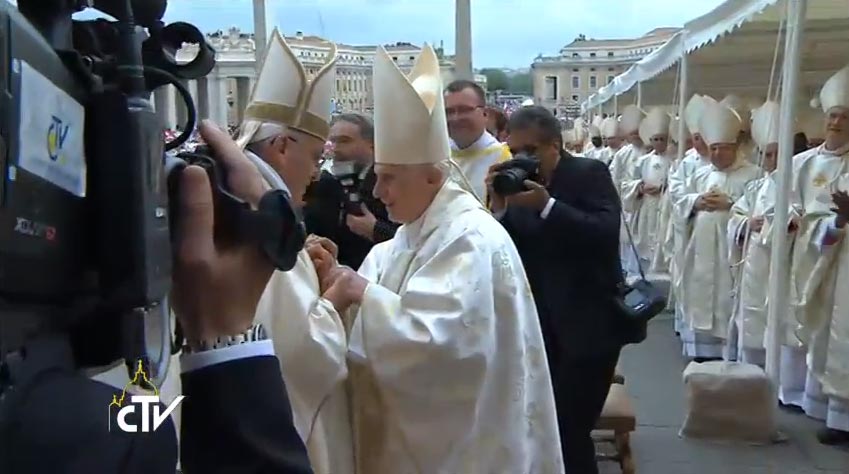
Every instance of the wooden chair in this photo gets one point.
(616, 423)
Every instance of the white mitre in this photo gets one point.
(765, 123)
(580, 134)
(741, 106)
(409, 112)
(629, 121)
(569, 136)
(835, 91)
(597, 121)
(674, 126)
(692, 112)
(656, 122)
(719, 123)
(595, 131)
(609, 128)
(284, 96)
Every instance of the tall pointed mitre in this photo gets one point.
(765, 123)
(409, 112)
(835, 91)
(674, 125)
(740, 106)
(692, 112)
(597, 121)
(630, 120)
(656, 122)
(610, 128)
(580, 134)
(284, 95)
(719, 123)
(594, 131)
(569, 136)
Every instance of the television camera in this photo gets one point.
(85, 240)
(511, 175)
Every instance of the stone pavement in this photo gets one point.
(653, 378)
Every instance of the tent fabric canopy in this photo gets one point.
(732, 48)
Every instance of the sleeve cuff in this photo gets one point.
(547, 209)
(191, 362)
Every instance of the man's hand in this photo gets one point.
(323, 260)
(497, 203)
(650, 190)
(215, 290)
(344, 288)
(362, 225)
(841, 200)
(756, 224)
(535, 198)
(713, 201)
(324, 242)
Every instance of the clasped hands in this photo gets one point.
(342, 286)
(648, 189)
(713, 200)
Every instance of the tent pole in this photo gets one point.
(682, 100)
(615, 105)
(640, 95)
(779, 285)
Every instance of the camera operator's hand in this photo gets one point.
(216, 290)
(362, 225)
(535, 198)
(497, 202)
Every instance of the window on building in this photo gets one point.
(574, 69)
(610, 54)
(593, 82)
(610, 69)
(576, 55)
(576, 82)
(592, 55)
(609, 79)
(412, 58)
(592, 69)
(576, 98)
(395, 58)
(550, 87)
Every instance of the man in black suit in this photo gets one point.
(566, 228)
(235, 417)
(354, 229)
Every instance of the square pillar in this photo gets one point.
(202, 101)
(165, 105)
(243, 96)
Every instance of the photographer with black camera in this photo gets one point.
(340, 204)
(563, 215)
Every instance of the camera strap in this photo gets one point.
(631, 243)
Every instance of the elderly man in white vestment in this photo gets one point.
(286, 124)
(622, 170)
(448, 369)
(610, 139)
(821, 264)
(708, 197)
(750, 238)
(641, 195)
(695, 158)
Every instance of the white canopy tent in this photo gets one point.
(732, 49)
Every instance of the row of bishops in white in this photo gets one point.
(705, 224)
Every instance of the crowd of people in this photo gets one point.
(704, 222)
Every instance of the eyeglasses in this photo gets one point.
(461, 110)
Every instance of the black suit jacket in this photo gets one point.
(572, 258)
(324, 215)
(235, 419)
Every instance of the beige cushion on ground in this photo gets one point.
(728, 401)
(618, 413)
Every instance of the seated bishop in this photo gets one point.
(285, 127)
(448, 368)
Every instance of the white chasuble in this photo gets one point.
(706, 273)
(645, 209)
(623, 163)
(476, 159)
(750, 310)
(449, 372)
(310, 340)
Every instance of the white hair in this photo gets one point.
(267, 131)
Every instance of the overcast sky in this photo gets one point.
(505, 33)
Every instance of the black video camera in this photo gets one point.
(85, 227)
(511, 175)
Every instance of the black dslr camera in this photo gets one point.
(512, 174)
(85, 222)
(347, 174)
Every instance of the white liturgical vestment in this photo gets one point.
(449, 372)
(820, 275)
(644, 209)
(750, 311)
(706, 273)
(310, 340)
(476, 159)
